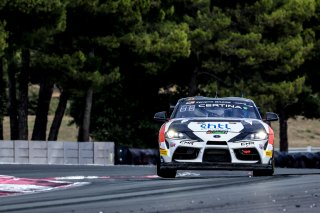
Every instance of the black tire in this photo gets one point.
(263, 172)
(266, 172)
(165, 173)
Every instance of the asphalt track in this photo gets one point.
(137, 189)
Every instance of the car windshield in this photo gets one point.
(217, 108)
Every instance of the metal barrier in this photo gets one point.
(57, 152)
(302, 149)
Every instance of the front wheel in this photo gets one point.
(263, 172)
(165, 173)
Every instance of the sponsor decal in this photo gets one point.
(261, 146)
(172, 144)
(247, 144)
(218, 127)
(187, 143)
(220, 105)
(163, 152)
(217, 132)
(268, 153)
(206, 102)
(190, 102)
(215, 126)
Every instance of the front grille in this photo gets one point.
(217, 143)
(217, 155)
(247, 154)
(185, 153)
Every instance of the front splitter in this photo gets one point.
(214, 166)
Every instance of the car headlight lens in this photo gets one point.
(172, 134)
(261, 135)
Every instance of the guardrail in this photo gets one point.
(57, 152)
(302, 149)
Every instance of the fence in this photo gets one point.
(53, 152)
(302, 149)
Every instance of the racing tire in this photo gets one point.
(165, 173)
(264, 172)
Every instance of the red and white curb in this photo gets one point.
(105, 177)
(10, 185)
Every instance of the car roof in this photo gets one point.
(200, 98)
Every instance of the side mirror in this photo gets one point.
(270, 116)
(160, 116)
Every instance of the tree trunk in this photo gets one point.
(2, 101)
(283, 119)
(56, 123)
(1, 127)
(40, 125)
(84, 130)
(193, 85)
(23, 96)
(13, 114)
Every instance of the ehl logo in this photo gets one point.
(214, 126)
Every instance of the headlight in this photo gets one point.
(172, 134)
(261, 135)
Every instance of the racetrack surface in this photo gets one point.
(131, 189)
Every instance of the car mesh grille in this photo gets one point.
(185, 153)
(217, 155)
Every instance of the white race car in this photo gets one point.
(215, 133)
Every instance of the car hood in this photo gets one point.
(216, 125)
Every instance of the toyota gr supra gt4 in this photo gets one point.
(215, 133)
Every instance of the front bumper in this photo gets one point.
(213, 166)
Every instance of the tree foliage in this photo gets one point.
(118, 62)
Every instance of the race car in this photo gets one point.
(216, 134)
